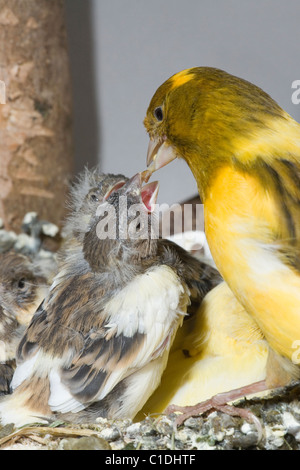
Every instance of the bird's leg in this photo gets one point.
(220, 402)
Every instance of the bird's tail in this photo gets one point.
(19, 408)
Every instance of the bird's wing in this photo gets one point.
(137, 329)
(199, 276)
(107, 358)
(87, 346)
(28, 345)
(282, 180)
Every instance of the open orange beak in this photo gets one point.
(149, 194)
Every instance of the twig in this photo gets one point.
(40, 430)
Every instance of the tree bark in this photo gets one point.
(36, 151)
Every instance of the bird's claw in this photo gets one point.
(218, 403)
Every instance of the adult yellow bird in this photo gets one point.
(217, 350)
(219, 355)
(244, 152)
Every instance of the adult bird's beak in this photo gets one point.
(159, 154)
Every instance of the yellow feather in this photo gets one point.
(268, 140)
(242, 230)
(218, 350)
(244, 152)
(180, 78)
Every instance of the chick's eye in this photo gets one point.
(94, 198)
(21, 283)
(158, 113)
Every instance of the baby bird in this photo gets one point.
(99, 343)
(23, 286)
(90, 188)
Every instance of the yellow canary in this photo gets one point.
(244, 152)
(220, 349)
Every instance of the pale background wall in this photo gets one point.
(122, 50)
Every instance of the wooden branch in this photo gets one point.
(36, 154)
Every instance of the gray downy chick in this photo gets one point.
(100, 341)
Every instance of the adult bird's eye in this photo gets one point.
(21, 283)
(158, 113)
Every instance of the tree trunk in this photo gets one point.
(36, 154)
